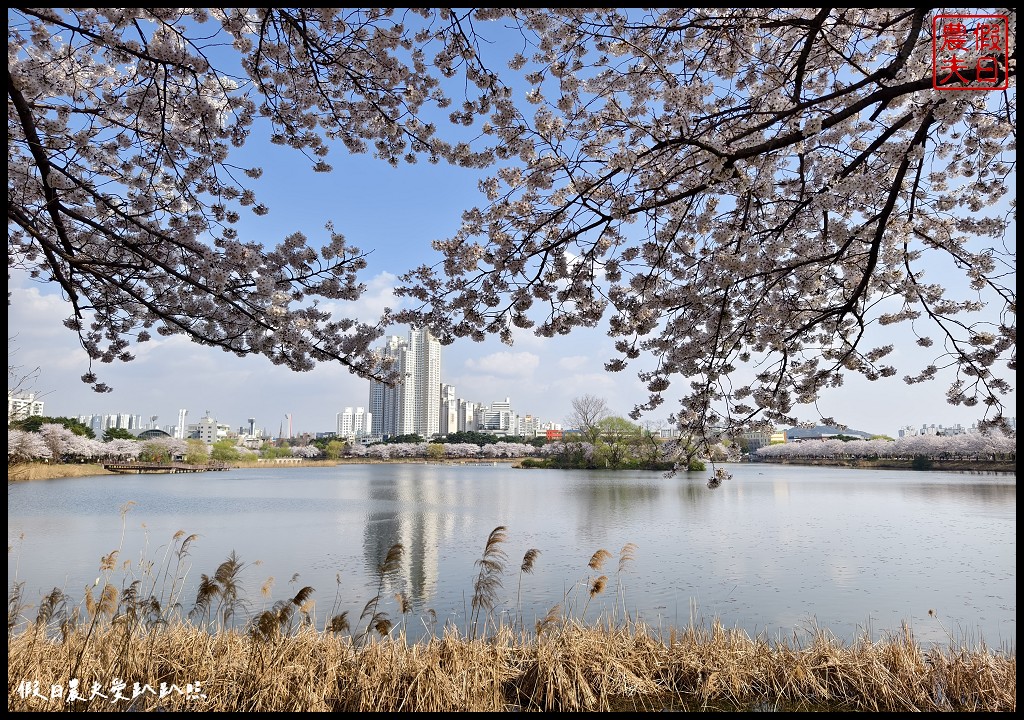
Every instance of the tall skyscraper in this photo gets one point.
(414, 405)
(449, 410)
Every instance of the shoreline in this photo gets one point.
(936, 465)
(32, 471)
(29, 472)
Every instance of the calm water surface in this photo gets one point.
(779, 550)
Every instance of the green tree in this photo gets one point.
(411, 439)
(271, 451)
(117, 434)
(435, 451)
(649, 449)
(617, 440)
(225, 451)
(334, 449)
(154, 452)
(470, 436)
(33, 423)
(197, 452)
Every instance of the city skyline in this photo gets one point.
(495, 373)
(144, 421)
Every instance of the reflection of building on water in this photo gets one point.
(417, 520)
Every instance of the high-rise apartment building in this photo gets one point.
(413, 406)
(449, 410)
(499, 417)
(99, 424)
(354, 423)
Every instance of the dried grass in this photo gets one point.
(574, 668)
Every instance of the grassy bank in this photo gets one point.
(23, 472)
(565, 666)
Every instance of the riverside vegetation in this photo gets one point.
(139, 644)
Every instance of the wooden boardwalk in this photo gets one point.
(137, 468)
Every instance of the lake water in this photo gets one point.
(777, 550)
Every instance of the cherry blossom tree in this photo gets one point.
(988, 445)
(65, 444)
(309, 452)
(357, 451)
(163, 449)
(122, 449)
(743, 196)
(462, 450)
(25, 446)
(741, 187)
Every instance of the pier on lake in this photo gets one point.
(156, 467)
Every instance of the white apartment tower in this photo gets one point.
(449, 410)
(499, 417)
(414, 405)
(354, 423)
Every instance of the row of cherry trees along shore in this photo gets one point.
(973, 446)
(54, 442)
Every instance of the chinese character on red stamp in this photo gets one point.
(969, 52)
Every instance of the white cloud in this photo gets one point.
(573, 362)
(505, 364)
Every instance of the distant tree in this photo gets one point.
(66, 445)
(225, 451)
(25, 446)
(35, 422)
(122, 450)
(462, 449)
(587, 413)
(271, 451)
(197, 453)
(411, 438)
(470, 436)
(435, 451)
(617, 440)
(650, 448)
(726, 188)
(309, 452)
(334, 449)
(117, 434)
(163, 449)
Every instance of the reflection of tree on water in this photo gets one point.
(606, 499)
(997, 494)
(693, 490)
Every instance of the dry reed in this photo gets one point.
(577, 668)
